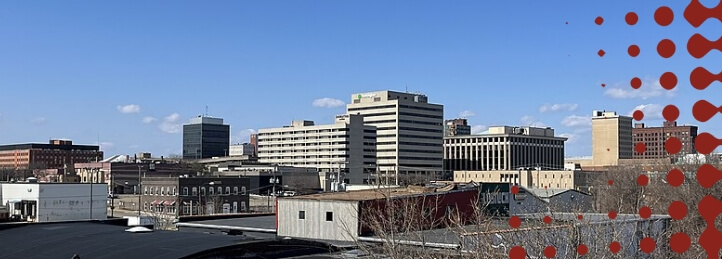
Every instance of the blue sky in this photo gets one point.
(131, 72)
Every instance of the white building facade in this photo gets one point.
(52, 202)
(244, 149)
(410, 132)
(345, 149)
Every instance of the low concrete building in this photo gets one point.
(52, 202)
(529, 178)
(299, 179)
(498, 200)
(344, 216)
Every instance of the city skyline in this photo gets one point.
(130, 75)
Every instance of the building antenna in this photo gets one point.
(206, 111)
(407, 88)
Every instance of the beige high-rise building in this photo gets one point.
(410, 132)
(347, 146)
(611, 138)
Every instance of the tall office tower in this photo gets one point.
(205, 137)
(409, 130)
(611, 138)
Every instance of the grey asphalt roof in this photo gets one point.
(97, 240)
(268, 222)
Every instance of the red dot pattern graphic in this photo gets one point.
(664, 16)
(710, 208)
(610, 182)
(643, 180)
(701, 78)
(670, 112)
(582, 249)
(517, 252)
(708, 176)
(673, 145)
(515, 189)
(698, 46)
(640, 147)
(638, 115)
(647, 245)
(515, 221)
(550, 252)
(547, 220)
(668, 80)
(601, 53)
(614, 247)
(612, 215)
(631, 18)
(675, 178)
(680, 242)
(696, 13)
(599, 20)
(703, 110)
(677, 210)
(636, 83)
(633, 51)
(706, 143)
(580, 217)
(666, 48)
(645, 212)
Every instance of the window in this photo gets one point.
(210, 190)
(302, 215)
(329, 216)
(220, 190)
(145, 189)
(195, 191)
(175, 191)
(235, 190)
(243, 206)
(162, 191)
(185, 191)
(203, 191)
(228, 190)
(243, 190)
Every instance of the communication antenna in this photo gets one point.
(206, 111)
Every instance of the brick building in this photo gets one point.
(53, 155)
(655, 137)
(187, 196)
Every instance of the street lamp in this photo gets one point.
(273, 180)
(200, 201)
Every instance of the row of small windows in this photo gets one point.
(194, 191)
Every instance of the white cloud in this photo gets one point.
(243, 136)
(558, 107)
(327, 103)
(651, 111)
(467, 114)
(130, 108)
(39, 120)
(571, 138)
(170, 124)
(577, 121)
(532, 122)
(650, 88)
(149, 119)
(477, 129)
(106, 145)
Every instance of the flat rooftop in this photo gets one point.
(365, 195)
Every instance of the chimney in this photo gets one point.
(639, 125)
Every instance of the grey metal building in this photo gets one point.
(206, 137)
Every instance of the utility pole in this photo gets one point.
(91, 195)
(140, 192)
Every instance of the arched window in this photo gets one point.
(228, 190)
(243, 190)
(235, 190)
(185, 191)
(203, 191)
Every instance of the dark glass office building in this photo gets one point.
(205, 137)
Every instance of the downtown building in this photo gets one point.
(410, 132)
(654, 139)
(345, 149)
(611, 138)
(505, 148)
(54, 155)
(205, 137)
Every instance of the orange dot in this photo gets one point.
(670, 112)
(675, 177)
(612, 215)
(610, 182)
(666, 48)
(582, 249)
(647, 245)
(601, 53)
(547, 219)
(668, 80)
(580, 217)
(645, 212)
(677, 210)
(517, 252)
(515, 222)
(615, 247)
(643, 180)
(550, 252)
(633, 51)
(599, 20)
(636, 83)
(631, 18)
(664, 16)
(515, 189)
(638, 115)
(679, 242)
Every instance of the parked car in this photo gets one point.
(289, 193)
